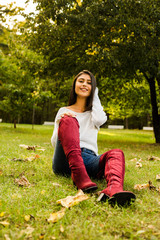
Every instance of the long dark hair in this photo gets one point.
(73, 95)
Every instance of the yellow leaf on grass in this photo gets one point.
(4, 223)
(27, 218)
(1, 172)
(43, 192)
(2, 214)
(54, 217)
(73, 200)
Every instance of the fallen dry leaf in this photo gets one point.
(141, 232)
(22, 181)
(144, 186)
(73, 200)
(38, 148)
(158, 177)
(151, 226)
(56, 185)
(134, 160)
(6, 237)
(153, 158)
(27, 147)
(158, 189)
(41, 236)
(141, 186)
(30, 159)
(61, 229)
(28, 231)
(41, 149)
(16, 196)
(4, 223)
(138, 165)
(54, 217)
(18, 159)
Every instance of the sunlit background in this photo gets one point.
(29, 7)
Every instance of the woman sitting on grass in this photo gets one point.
(75, 141)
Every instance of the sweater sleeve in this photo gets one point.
(56, 124)
(98, 115)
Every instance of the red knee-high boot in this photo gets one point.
(68, 134)
(113, 163)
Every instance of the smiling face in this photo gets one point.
(83, 85)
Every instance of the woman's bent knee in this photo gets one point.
(68, 120)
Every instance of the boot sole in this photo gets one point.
(121, 198)
(90, 189)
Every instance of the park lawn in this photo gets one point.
(24, 210)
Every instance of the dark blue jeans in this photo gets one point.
(60, 163)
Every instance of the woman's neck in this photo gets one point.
(79, 106)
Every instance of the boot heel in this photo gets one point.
(102, 197)
(122, 199)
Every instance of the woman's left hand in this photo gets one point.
(69, 114)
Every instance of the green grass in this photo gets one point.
(88, 220)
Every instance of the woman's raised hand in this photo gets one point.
(69, 114)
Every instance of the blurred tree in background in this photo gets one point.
(117, 40)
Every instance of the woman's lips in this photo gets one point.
(84, 89)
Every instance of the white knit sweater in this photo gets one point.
(89, 123)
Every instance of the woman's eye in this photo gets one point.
(89, 83)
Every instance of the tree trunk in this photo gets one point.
(14, 123)
(158, 80)
(33, 115)
(155, 116)
(126, 123)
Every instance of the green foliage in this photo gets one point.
(113, 39)
(23, 81)
(125, 99)
(117, 40)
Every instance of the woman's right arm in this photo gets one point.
(60, 114)
(56, 124)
